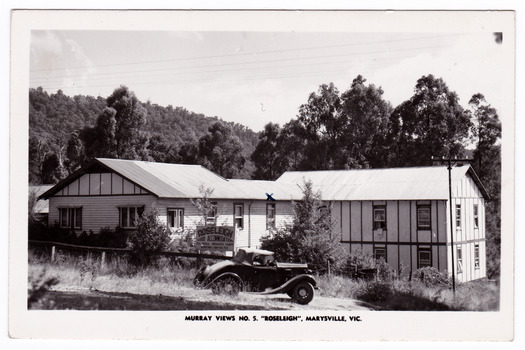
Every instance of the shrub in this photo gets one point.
(432, 277)
(309, 239)
(149, 238)
(384, 271)
(375, 292)
(360, 260)
(112, 238)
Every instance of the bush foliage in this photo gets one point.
(150, 237)
(106, 238)
(309, 238)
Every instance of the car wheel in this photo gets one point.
(303, 293)
(226, 285)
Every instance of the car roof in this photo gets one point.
(256, 251)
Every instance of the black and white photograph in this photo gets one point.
(237, 173)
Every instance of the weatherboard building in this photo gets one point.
(398, 214)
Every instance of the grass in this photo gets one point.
(413, 295)
(171, 278)
(117, 274)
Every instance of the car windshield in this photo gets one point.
(263, 260)
(240, 257)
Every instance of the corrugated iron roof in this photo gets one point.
(379, 184)
(259, 189)
(41, 205)
(184, 181)
(170, 180)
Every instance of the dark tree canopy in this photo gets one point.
(486, 133)
(366, 126)
(330, 132)
(129, 120)
(266, 157)
(320, 122)
(430, 123)
(221, 150)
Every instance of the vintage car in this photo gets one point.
(255, 270)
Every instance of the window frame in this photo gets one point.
(376, 224)
(475, 210)
(139, 210)
(419, 225)
(424, 250)
(178, 213)
(378, 256)
(211, 215)
(270, 222)
(238, 217)
(71, 217)
(476, 256)
(459, 259)
(458, 216)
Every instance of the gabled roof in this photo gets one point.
(169, 180)
(41, 205)
(383, 184)
(183, 181)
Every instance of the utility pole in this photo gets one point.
(449, 167)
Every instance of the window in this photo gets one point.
(459, 254)
(238, 215)
(270, 216)
(379, 217)
(476, 256)
(424, 257)
(129, 216)
(175, 218)
(70, 217)
(211, 216)
(423, 217)
(476, 216)
(380, 252)
(458, 216)
(324, 210)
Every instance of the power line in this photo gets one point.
(252, 62)
(251, 78)
(247, 53)
(56, 79)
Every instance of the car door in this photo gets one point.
(264, 277)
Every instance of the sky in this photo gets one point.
(253, 78)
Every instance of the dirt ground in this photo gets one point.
(190, 299)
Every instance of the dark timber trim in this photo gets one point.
(398, 243)
(398, 239)
(410, 231)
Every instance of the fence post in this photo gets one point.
(103, 260)
(199, 259)
(52, 253)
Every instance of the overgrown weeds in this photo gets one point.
(117, 274)
(431, 294)
(39, 283)
(428, 291)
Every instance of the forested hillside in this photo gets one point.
(62, 128)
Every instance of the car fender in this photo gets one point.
(226, 274)
(291, 283)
